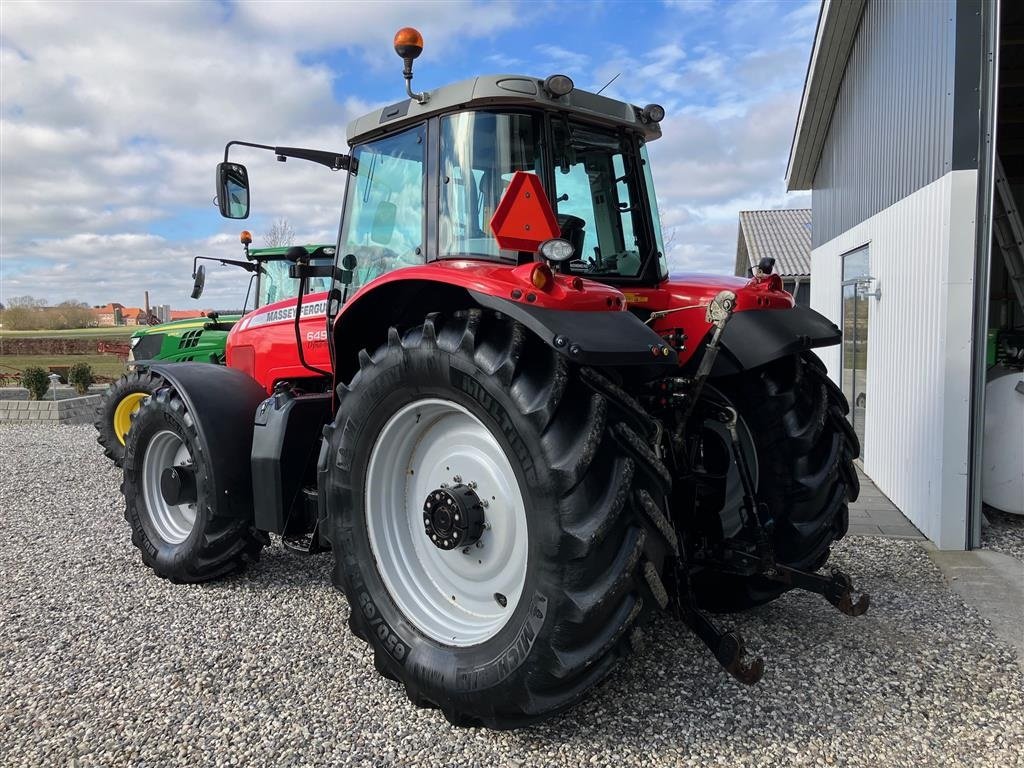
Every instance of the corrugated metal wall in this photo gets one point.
(918, 365)
(891, 131)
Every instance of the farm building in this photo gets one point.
(910, 137)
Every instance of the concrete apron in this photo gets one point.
(990, 582)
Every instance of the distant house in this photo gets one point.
(783, 234)
(109, 315)
(114, 314)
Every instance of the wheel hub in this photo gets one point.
(453, 517)
(178, 485)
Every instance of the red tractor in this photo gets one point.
(516, 434)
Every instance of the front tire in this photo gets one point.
(577, 535)
(185, 533)
(118, 406)
(803, 452)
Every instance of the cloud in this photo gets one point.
(113, 116)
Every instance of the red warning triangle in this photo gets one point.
(524, 218)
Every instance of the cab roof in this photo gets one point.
(504, 91)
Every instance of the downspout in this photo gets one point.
(988, 110)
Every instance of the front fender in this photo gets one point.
(758, 336)
(222, 402)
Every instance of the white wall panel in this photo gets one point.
(919, 348)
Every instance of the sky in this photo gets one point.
(113, 117)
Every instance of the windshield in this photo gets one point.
(275, 284)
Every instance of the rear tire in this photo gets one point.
(590, 531)
(805, 449)
(118, 406)
(199, 539)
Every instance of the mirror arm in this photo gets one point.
(333, 160)
(248, 266)
(227, 147)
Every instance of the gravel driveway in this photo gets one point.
(102, 663)
(1004, 533)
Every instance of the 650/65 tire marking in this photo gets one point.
(391, 641)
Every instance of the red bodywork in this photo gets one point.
(262, 344)
(696, 291)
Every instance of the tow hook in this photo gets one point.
(728, 647)
(837, 588)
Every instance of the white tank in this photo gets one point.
(1002, 477)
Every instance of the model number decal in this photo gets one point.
(320, 335)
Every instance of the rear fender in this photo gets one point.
(584, 321)
(758, 336)
(222, 402)
(766, 323)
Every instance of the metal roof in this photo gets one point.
(833, 41)
(498, 91)
(783, 233)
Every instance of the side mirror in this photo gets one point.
(233, 190)
(383, 226)
(200, 282)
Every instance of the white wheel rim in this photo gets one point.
(173, 522)
(453, 596)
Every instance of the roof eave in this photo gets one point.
(837, 29)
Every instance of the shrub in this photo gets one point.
(80, 376)
(36, 381)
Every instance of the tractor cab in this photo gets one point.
(431, 177)
(270, 270)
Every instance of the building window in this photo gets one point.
(856, 282)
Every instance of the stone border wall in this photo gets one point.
(74, 410)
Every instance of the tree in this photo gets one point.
(23, 313)
(72, 314)
(279, 235)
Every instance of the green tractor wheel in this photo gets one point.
(118, 407)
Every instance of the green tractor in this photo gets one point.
(197, 339)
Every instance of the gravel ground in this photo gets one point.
(102, 663)
(1004, 533)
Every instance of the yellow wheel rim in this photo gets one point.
(123, 413)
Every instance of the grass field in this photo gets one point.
(110, 334)
(110, 366)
